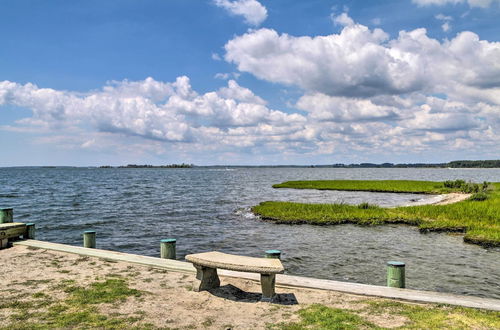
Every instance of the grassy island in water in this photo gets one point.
(478, 217)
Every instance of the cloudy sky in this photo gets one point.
(248, 82)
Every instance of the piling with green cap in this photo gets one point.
(30, 231)
(167, 248)
(89, 239)
(6, 215)
(396, 274)
(273, 254)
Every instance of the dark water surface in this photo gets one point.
(209, 209)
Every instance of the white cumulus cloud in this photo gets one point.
(169, 112)
(359, 62)
(252, 10)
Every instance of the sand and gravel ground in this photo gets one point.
(168, 301)
(452, 198)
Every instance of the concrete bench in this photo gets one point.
(206, 265)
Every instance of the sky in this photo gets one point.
(247, 82)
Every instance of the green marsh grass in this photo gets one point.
(399, 186)
(318, 316)
(478, 218)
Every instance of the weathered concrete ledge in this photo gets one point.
(282, 280)
(112, 255)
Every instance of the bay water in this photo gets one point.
(208, 209)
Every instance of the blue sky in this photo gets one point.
(248, 82)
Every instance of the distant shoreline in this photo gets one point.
(457, 164)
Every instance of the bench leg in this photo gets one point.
(267, 282)
(4, 242)
(208, 278)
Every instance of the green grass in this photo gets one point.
(478, 219)
(396, 186)
(78, 309)
(321, 317)
(417, 317)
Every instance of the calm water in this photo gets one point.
(208, 209)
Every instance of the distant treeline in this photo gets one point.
(475, 163)
(152, 166)
(453, 164)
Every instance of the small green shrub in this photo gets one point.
(480, 196)
(466, 187)
(454, 184)
(470, 188)
(486, 184)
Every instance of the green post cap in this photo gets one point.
(273, 254)
(396, 263)
(89, 232)
(168, 240)
(30, 223)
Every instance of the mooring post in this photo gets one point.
(89, 239)
(30, 231)
(273, 254)
(167, 248)
(6, 215)
(396, 274)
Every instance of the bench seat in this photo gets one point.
(206, 265)
(237, 263)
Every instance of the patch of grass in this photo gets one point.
(321, 317)
(479, 219)
(437, 316)
(33, 283)
(40, 295)
(79, 309)
(109, 291)
(396, 186)
(417, 317)
(24, 305)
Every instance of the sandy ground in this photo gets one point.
(443, 199)
(452, 198)
(170, 301)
